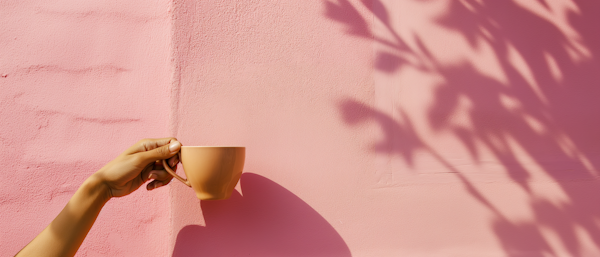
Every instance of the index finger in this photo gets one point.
(149, 144)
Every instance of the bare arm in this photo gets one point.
(120, 177)
(66, 232)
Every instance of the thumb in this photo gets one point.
(161, 153)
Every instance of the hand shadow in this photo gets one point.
(268, 220)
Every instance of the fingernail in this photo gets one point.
(158, 184)
(174, 147)
(152, 176)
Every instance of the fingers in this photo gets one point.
(161, 178)
(173, 161)
(156, 184)
(159, 175)
(149, 144)
(159, 153)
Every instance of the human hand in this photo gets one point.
(138, 164)
(120, 177)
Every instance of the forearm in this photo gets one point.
(68, 230)
(120, 177)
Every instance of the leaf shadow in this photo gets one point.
(545, 109)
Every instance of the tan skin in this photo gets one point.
(120, 177)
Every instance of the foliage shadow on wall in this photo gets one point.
(268, 220)
(548, 106)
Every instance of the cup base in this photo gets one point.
(210, 197)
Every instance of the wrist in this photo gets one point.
(96, 188)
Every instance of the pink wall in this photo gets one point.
(81, 81)
(373, 128)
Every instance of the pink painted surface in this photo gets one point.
(392, 128)
(81, 81)
(372, 127)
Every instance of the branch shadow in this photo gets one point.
(268, 220)
(547, 106)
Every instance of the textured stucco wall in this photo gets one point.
(81, 81)
(270, 76)
(392, 128)
(373, 128)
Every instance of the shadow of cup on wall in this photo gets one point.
(268, 220)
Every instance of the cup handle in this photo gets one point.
(170, 171)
